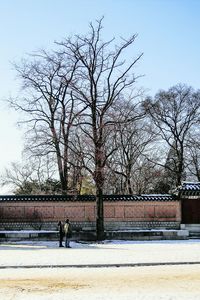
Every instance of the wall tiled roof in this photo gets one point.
(84, 198)
(188, 189)
(142, 197)
(190, 186)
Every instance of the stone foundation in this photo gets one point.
(90, 226)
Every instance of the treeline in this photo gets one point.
(89, 129)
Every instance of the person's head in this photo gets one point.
(59, 223)
(67, 220)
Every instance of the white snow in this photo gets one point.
(28, 231)
(107, 252)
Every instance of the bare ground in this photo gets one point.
(159, 282)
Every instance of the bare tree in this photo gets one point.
(103, 77)
(78, 85)
(133, 141)
(49, 106)
(193, 155)
(31, 176)
(174, 113)
(17, 175)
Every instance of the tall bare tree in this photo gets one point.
(77, 85)
(103, 79)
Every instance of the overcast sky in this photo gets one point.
(168, 34)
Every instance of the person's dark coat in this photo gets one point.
(61, 233)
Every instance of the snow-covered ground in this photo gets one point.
(57, 281)
(109, 252)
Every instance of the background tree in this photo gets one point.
(174, 113)
(49, 107)
(193, 155)
(132, 141)
(18, 177)
(37, 176)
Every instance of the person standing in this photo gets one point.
(68, 233)
(61, 233)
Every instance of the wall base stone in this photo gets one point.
(90, 226)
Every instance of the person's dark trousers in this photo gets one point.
(61, 240)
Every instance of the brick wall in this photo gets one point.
(118, 211)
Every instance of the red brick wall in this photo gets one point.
(85, 211)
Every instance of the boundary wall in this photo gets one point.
(120, 212)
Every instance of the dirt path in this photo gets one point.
(160, 282)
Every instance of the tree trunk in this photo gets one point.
(99, 180)
(61, 174)
(99, 215)
(130, 192)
